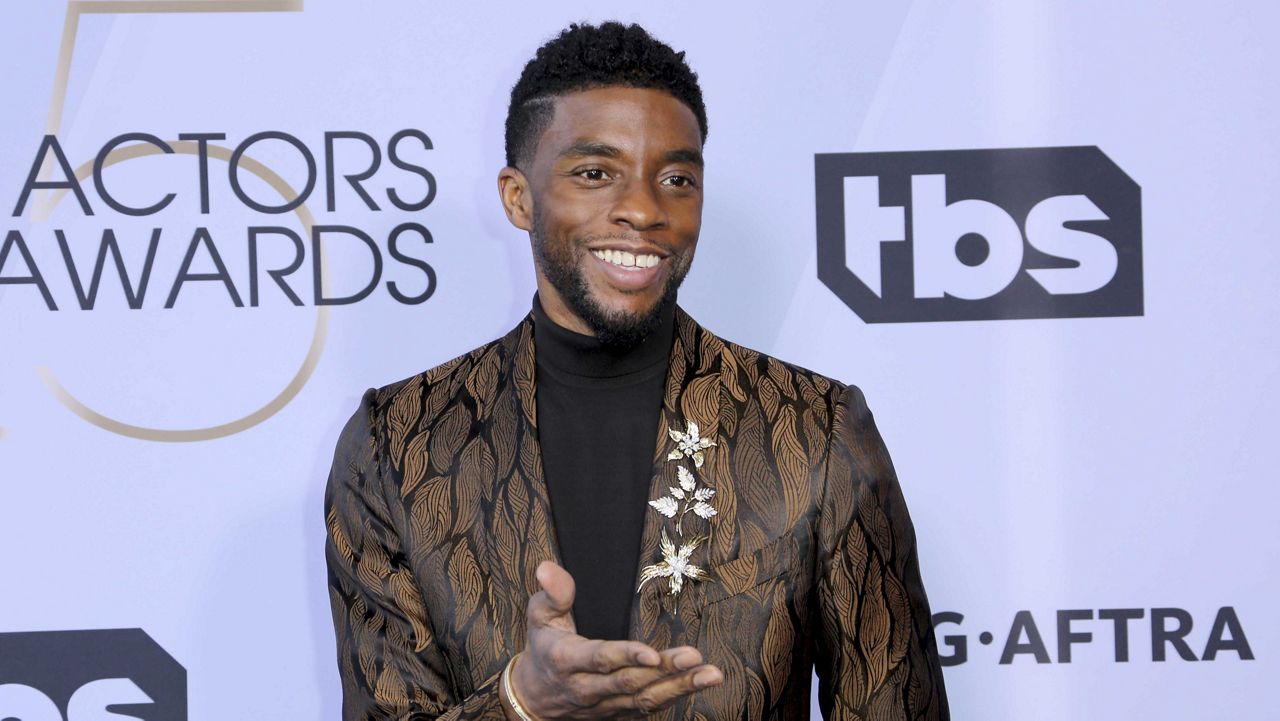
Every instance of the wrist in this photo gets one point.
(515, 709)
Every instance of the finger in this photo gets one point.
(665, 691)
(558, 585)
(553, 605)
(680, 658)
(626, 681)
(589, 656)
(661, 693)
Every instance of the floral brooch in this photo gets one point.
(689, 444)
(687, 497)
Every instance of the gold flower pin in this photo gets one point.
(675, 565)
(689, 444)
(685, 498)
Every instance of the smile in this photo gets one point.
(623, 259)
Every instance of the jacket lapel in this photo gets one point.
(694, 392)
(543, 544)
(518, 531)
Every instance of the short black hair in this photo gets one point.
(583, 57)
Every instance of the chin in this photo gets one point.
(625, 306)
(621, 320)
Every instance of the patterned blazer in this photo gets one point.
(438, 513)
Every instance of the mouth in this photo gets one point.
(625, 259)
(629, 271)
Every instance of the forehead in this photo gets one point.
(631, 119)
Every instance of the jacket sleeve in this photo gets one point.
(390, 664)
(876, 654)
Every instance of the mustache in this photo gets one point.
(631, 238)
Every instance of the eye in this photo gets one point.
(680, 181)
(594, 175)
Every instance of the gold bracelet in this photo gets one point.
(511, 693)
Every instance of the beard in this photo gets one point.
(561, 264)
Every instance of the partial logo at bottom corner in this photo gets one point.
(114, 674)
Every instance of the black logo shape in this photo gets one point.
(979, 234)
(71, 675)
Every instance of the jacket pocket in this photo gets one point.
(774, 559)
(752, 625)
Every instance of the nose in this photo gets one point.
(639, 206)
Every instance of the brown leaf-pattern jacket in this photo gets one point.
(438, 514)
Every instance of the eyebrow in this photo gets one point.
(604, 150)
(587, 150)
(684, 155)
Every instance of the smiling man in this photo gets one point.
(578, 198)
(610, 511)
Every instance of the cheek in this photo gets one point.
(575, 213)
(687, 234)
(686, 219)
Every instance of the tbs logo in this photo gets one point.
(979, 234)
(89, 676)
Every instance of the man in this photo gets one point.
(611, 511)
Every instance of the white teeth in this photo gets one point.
(626, 260)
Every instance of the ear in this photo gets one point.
(517, 199)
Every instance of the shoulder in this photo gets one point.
(396, 407)
(779, 386)
(387, 414)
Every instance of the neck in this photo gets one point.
(579, 354)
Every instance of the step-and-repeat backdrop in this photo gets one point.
(1041, 236)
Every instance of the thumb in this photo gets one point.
(555, 607)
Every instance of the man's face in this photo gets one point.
(616, 191)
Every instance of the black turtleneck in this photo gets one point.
(598, 414)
